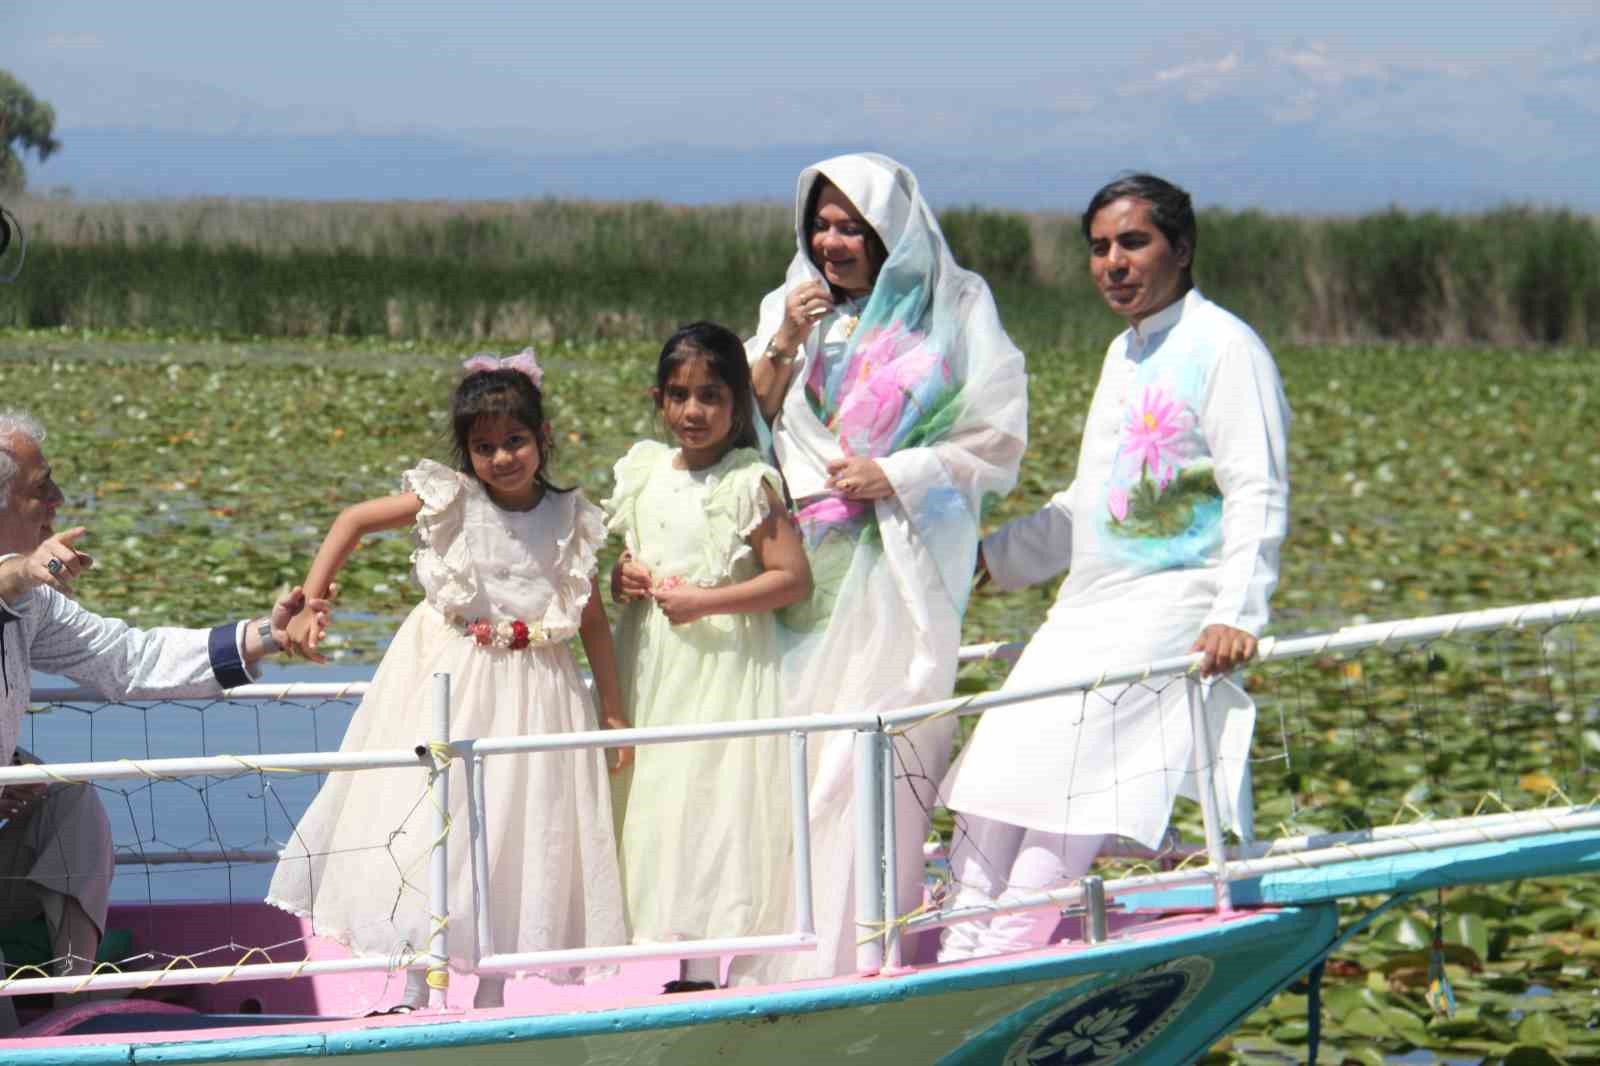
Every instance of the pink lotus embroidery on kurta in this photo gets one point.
(1154, 432)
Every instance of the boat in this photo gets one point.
(1153, 959)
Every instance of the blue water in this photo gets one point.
(253, 811)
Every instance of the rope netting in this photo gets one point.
(1347, 746)
(1479, 723)
(176, 840)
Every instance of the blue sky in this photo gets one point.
(995, 80)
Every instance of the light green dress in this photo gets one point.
(705, 836)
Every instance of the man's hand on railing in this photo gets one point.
(1224, 647)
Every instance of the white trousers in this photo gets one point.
(997, 862)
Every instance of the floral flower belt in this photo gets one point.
(511, 635)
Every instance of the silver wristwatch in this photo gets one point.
(264, 634)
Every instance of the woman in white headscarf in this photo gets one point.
(897, 408)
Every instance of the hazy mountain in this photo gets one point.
(1297, 127)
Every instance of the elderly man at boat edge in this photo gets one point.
(1170, 528)
(55, 843)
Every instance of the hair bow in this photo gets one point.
(524, 361)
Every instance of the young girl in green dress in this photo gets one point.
(711, 553)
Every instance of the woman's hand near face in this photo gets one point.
(802, 308)
(770, 375)
(856, 478)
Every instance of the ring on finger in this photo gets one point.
(55, 567)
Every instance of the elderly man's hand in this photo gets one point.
(55, 563)
(1225, 648)
(16, 800)
(299, 623)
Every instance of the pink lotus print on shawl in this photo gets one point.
(881, 392)
(1153, 444)
(894, 387)
(829, 511)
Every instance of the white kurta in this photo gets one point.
(1172, 523)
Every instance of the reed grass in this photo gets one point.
(536, 270)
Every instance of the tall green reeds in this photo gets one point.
(534, 270)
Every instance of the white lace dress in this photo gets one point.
(357, 864)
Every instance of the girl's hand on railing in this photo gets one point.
(621, 758)
(1224, 647)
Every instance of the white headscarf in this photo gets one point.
(928, 384)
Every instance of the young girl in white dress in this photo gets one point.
(711, 553)
(506, 561)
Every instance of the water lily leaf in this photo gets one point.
(1548, 919)
(1524, 1055)
(1411, 932)
(1291, 1032)
(1289, 1005)
(1480, 903)
(1406, 1025)
(1364, 1054)
(1464, 1023)
(1365, 1021)
(1339, 1000)
(1466, 940)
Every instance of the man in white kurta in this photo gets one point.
(55, 843)
(1169, 533)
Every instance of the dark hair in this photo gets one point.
(1170, 207)
(499, 392)
(877, 251)
(724, 353)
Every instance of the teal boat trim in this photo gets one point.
(417, 1034)
(1545, 855)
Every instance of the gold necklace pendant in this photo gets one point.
(850, 325)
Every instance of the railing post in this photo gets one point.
(891, 876)
(439, 887)
(1094, 909)
(1204, 765)
(800, 814)
(869, 851)
(478, 838)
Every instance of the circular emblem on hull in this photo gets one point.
(1110, 1025)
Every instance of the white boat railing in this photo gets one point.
(881, 928)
